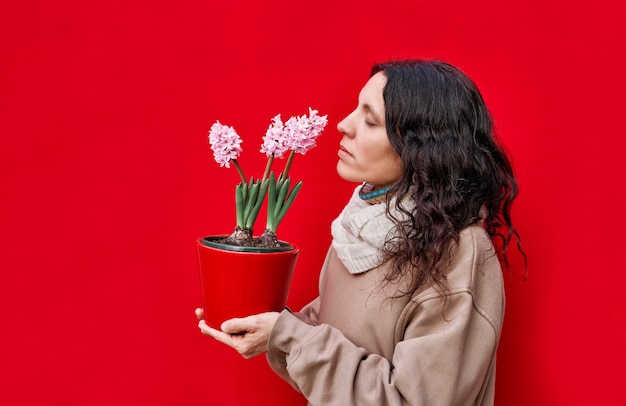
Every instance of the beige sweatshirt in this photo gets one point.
(353, 345)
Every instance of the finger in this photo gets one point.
(200, 313)
(220, 336)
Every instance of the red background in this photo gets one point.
(106, 181)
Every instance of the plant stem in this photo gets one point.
(240, 171)
(270, 160)
(288, 164)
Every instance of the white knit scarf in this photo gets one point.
(359, 233)
(361, 230)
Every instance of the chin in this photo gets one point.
(350, 177)
(343, 173)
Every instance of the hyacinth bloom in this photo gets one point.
(275, 141)
(225, 143)
(296, 135)
(303, 131)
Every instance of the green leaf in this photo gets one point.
(281, 196)
(288, 202)
(244, 192)
(259, 201)
(240, 192)
(271, 201)
(254, 191)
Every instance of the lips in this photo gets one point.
(343, 152)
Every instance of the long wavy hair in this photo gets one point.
(452, 166)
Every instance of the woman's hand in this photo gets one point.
(247, 335)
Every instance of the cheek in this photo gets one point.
(394, 165)
(389, 155)
(388, 163)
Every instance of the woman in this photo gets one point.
(411, 297)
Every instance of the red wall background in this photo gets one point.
(106, 181)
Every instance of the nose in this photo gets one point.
(344, 126)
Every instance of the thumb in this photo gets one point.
(234, 326)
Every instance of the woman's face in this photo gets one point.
(365, 154)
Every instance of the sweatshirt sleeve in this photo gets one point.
(310, 313)
(443, 358)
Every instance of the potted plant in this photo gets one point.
(243, 274)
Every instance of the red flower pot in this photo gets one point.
(237, 283)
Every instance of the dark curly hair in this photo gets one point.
(452, 166)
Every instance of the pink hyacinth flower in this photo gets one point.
(303, 131)
(275, 139)
(225, 143)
